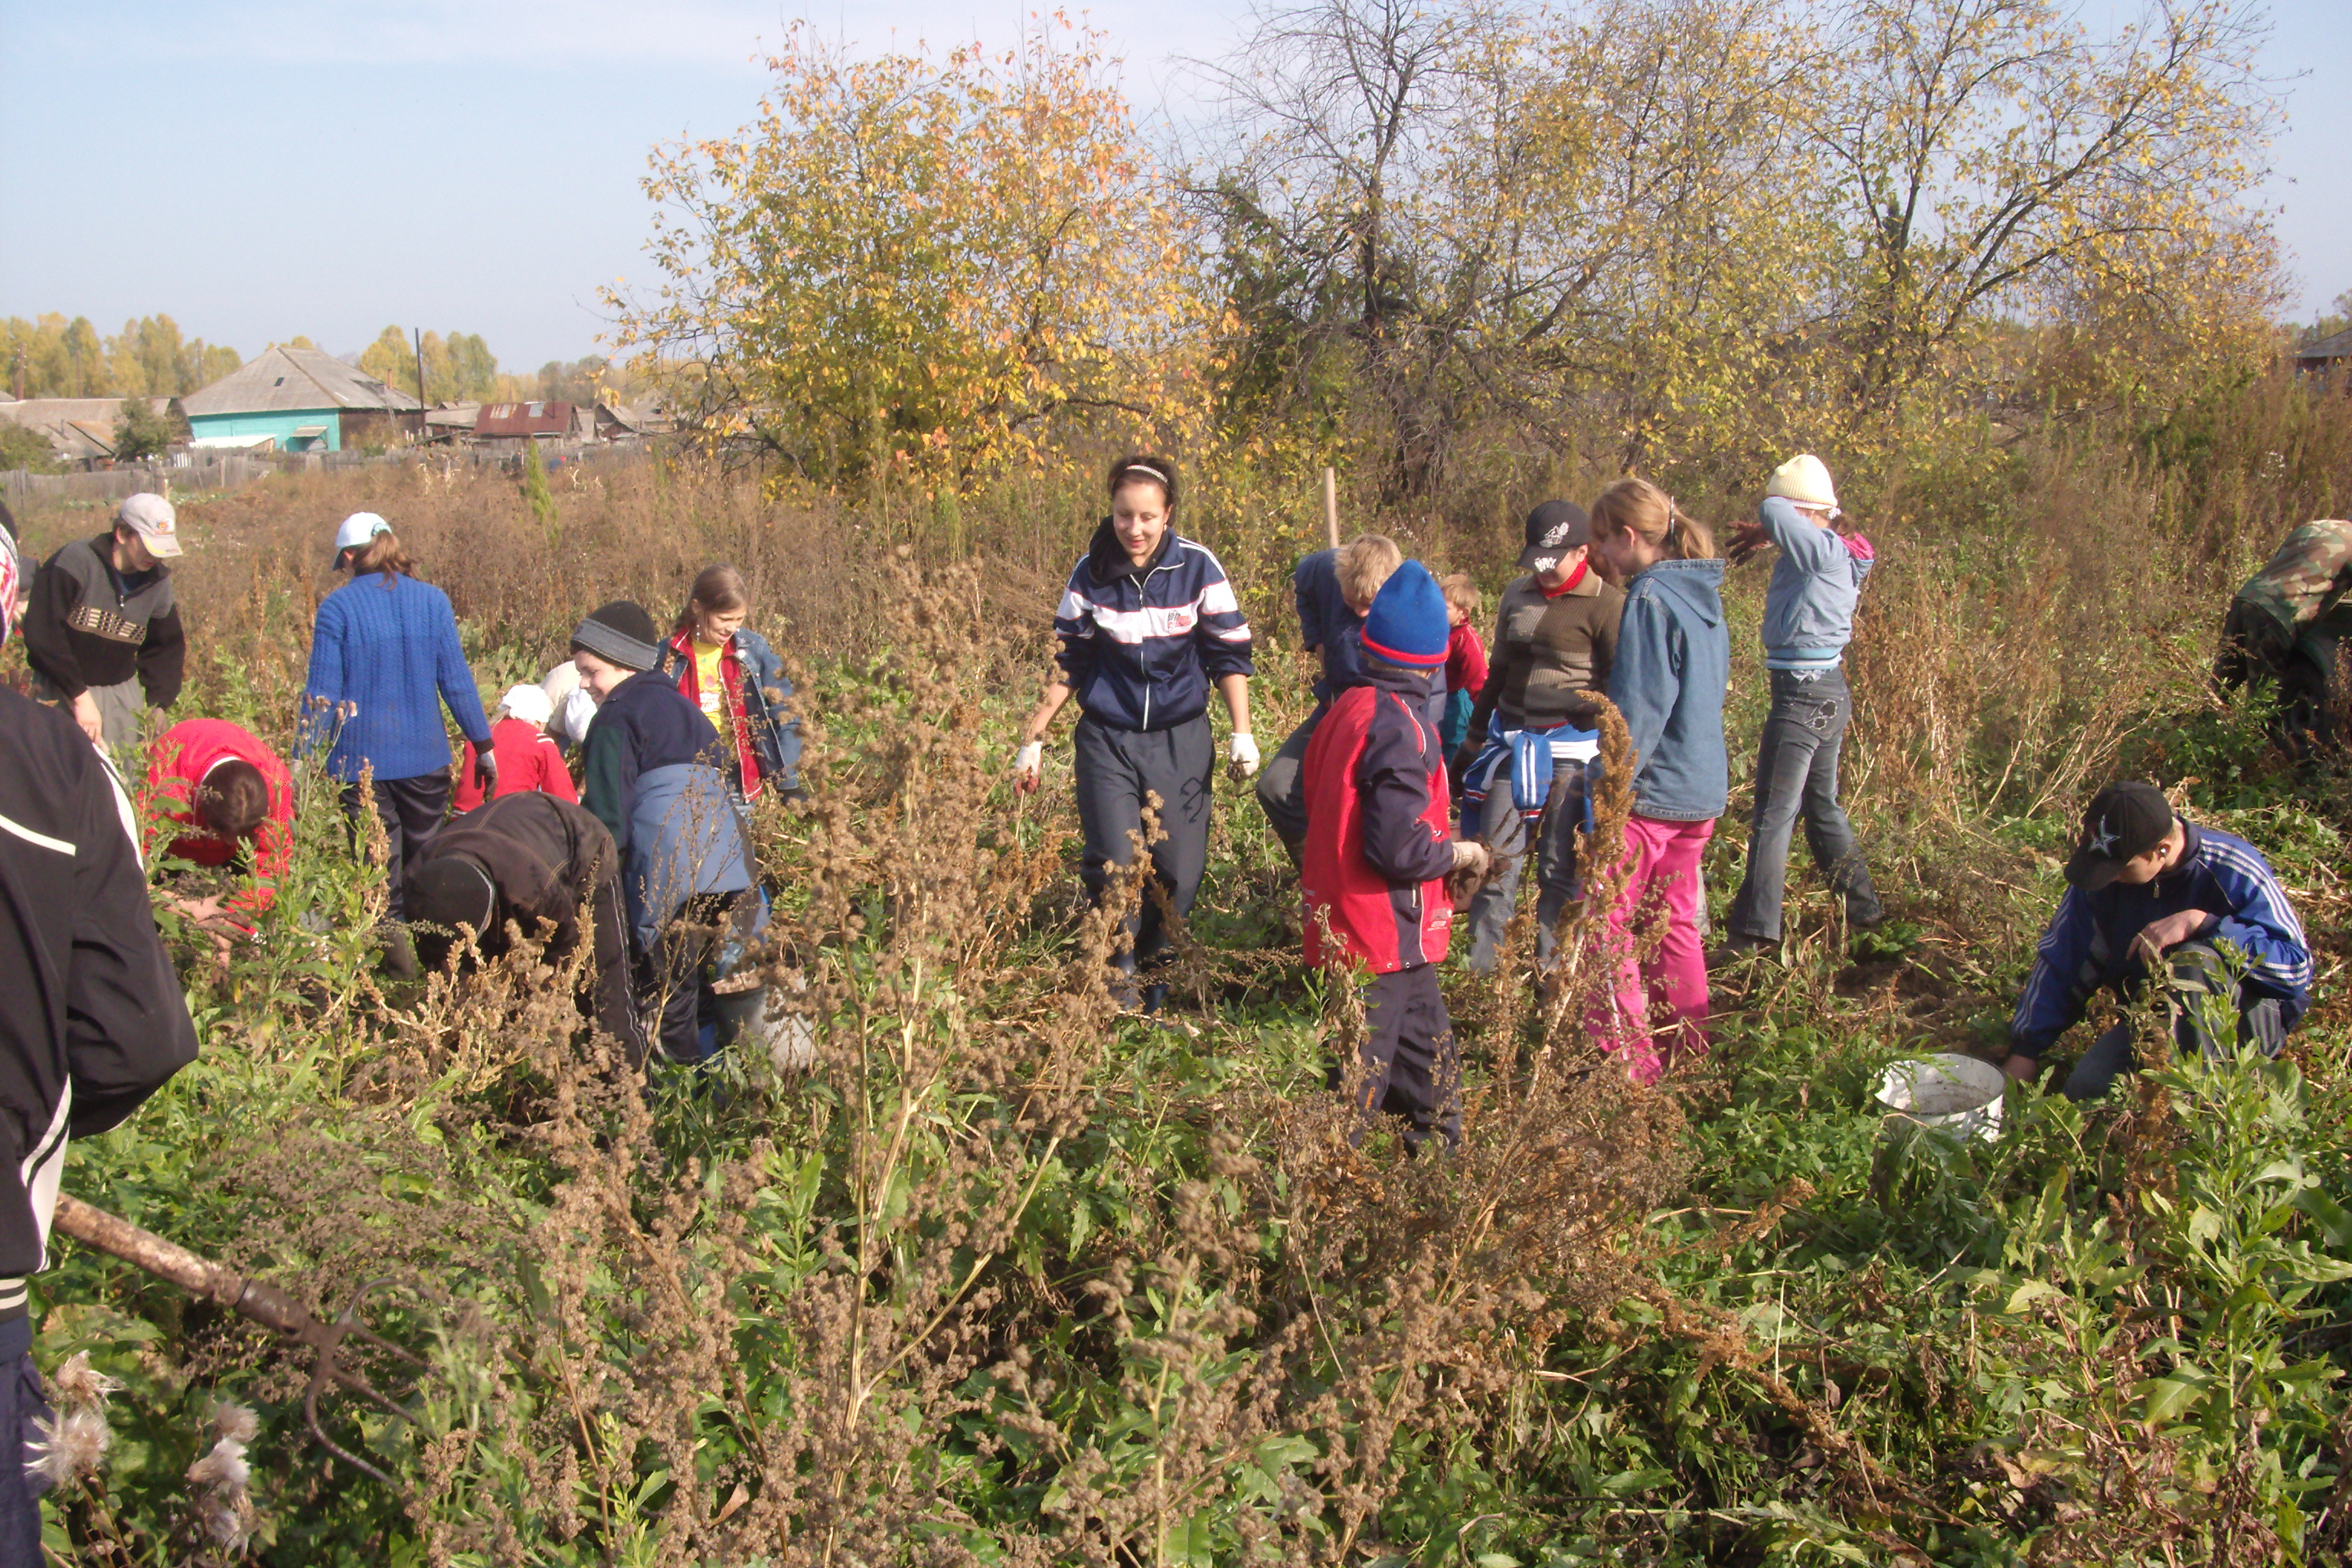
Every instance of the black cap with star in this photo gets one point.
(2123, 822)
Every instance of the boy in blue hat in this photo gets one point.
(1379, 846)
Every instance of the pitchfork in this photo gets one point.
(249, 1299)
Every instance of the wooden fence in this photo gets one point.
(197, 471)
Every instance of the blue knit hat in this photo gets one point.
(1407, 624)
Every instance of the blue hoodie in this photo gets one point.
(1674, 660)
(1809, 610)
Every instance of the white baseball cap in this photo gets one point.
(151, 517)
(357, 530)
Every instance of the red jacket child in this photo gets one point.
(1378, 840)
(527, 758)
(1379, 848)
(181, 757)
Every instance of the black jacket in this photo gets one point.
(94, 1021)
(549, 863)
(90, 626)
(646, 723)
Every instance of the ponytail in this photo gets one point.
(1638, 506)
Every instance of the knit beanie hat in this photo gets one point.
(1805, 479)
(11, 580)
(620, 632)
(1407, 624)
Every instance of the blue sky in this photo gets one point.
(264, 168)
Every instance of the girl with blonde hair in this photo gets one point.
(1673, 662)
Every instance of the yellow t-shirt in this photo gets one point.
(710, 684)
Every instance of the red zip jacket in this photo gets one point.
(528, 759)
(182, 754)
(1379, 844)
(731, 677)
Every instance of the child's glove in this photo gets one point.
(1469, 874)
(1028, 763)
(1244, 756)
(1746, 539)
(486, 772)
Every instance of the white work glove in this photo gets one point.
(1028, 763)
(1469, 854)
(1244, 756)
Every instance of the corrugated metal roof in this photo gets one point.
(523, 419)
(280, 379)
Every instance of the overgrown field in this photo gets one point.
(1006, 1279)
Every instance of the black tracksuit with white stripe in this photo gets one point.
(94, 1020)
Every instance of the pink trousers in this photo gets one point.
(1665, 989)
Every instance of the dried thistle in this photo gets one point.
(77, 1382)
(71, 1448)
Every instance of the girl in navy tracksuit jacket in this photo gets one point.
(1148, 624)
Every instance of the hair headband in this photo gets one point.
(1144, 469)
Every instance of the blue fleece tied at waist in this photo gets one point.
(1528, 753)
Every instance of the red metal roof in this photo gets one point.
(523, 419)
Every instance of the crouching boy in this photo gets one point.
(1379, 848)
(2150, 895)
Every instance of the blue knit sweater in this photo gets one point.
(391, 650)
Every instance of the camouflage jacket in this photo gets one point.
(2307, 579)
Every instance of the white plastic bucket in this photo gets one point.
(1960, 1094)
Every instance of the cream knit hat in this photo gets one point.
(1805, 479)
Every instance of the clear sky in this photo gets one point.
(262, 168)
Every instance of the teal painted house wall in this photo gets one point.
(281, 424)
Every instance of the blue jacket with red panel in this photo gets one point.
(1379, 841)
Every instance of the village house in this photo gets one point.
(80, 429)
(300, 400)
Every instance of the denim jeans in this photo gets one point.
(2192, 971)
(1506, 834)
(1796, 775)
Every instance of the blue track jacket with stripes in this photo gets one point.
(2088, 945)
(1141, 646)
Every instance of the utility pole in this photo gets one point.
(424, 426)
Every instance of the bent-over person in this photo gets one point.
(2150, 898)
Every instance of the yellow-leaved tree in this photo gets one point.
(930, 266)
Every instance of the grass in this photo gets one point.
(1006, 1278)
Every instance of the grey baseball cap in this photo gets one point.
(151, 517)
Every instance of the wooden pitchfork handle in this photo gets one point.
(249, 1299)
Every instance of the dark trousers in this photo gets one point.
(2194, 973)
(1115, 769)
(1408, 1059)
(1796, 775)
(411, 811)
(1508, 835)
(21, 1405)
(1282, 785)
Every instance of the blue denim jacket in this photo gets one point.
(1674, 660)
(1809, 610)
